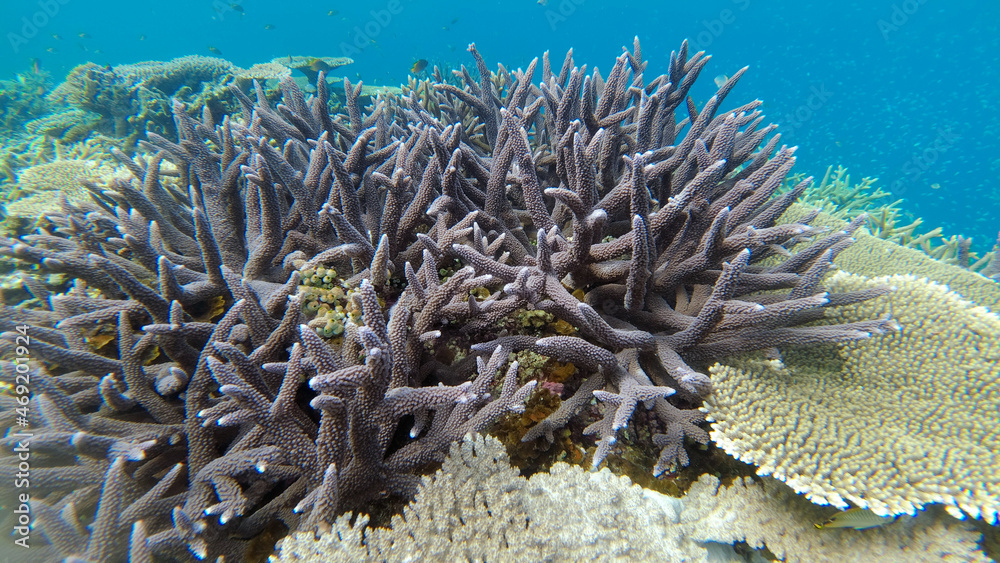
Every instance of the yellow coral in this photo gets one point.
(890, 423)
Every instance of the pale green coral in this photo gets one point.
(61, 175)
(890, 423)
(837, 196)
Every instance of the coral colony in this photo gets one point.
(258, 323)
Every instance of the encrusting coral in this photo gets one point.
(212, 415)
(477, 508)
(891, 423)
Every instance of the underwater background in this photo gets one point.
(902, 91)
(221, 321)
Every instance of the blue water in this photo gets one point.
(903, 90)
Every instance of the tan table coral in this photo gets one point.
(891, 423)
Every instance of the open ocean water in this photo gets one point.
(905, 91)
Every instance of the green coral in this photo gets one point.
(327, 301)
(534, 318)
(839, 197)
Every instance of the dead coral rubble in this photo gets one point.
(201, 425)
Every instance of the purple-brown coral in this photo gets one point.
(222, 411)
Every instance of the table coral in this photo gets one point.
(892, 423)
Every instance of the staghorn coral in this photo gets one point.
(476, 507)
(444, 227)
(891, 424)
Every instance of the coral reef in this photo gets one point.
(311, 66)
(59, 176)
(177, 373)
(892, 423)
(477, 508)
(22, 100)
(130, 99)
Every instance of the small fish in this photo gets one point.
(52, 50)
(83, 35)
(56, 37)
(333, 12)
(454, 21)
(721, 80)
(214, 50)
(268, 26)
(237, 8)
(543, 2)
(418, 66)
(142, 38)
(935, 186)
(857, 518)
(319, 65)
(36, 66)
